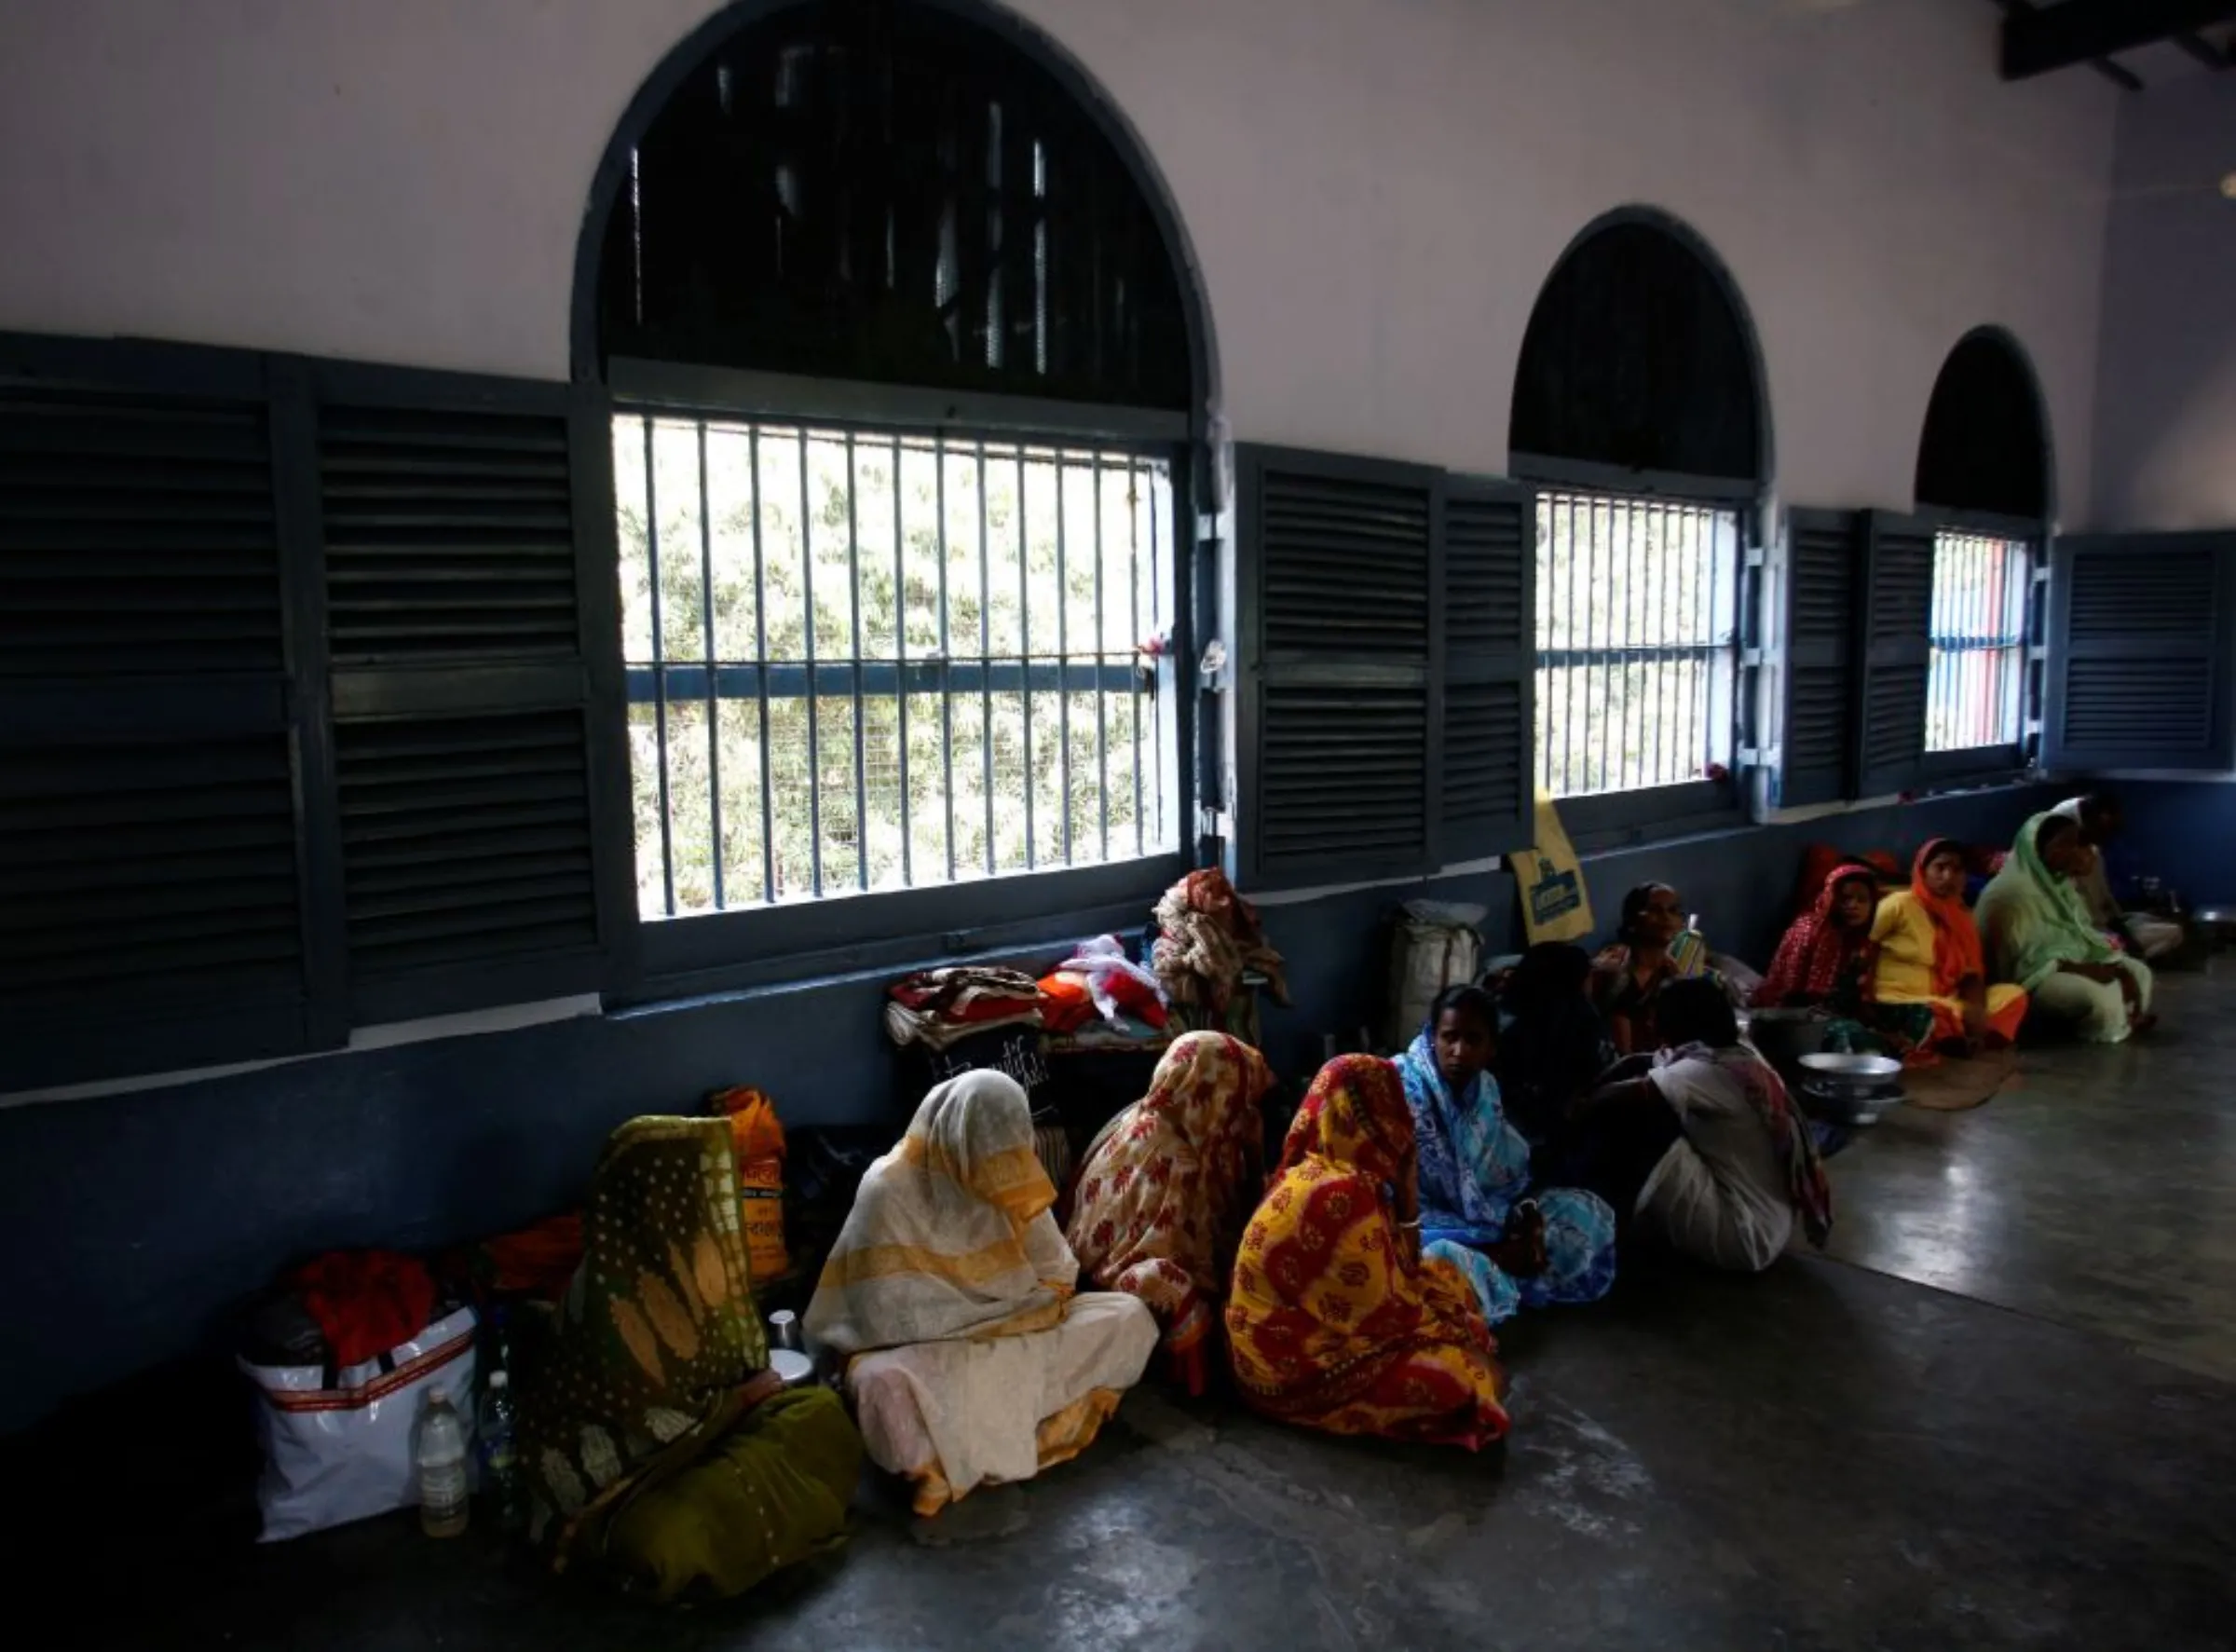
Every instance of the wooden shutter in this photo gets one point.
(1486, 743)
(2140, 626)
(1823, 547)
(1893, 653)
(468, 773)
(152, 894)
(1336, 559)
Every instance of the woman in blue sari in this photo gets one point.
(1555, 1246)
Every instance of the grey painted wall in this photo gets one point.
(130, 1224)
(2167, 377)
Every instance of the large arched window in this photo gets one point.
(1638, 407)
(904, 356)
(1983, 476)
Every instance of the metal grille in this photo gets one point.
(1636, 641)
(1974, 693)
(863, 661)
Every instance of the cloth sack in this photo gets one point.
(340, 1450)
(1432, 944)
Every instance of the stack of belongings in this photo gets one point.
(1211, 954)
(964, 1018)
(1099, 999)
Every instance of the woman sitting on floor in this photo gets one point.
(1828, 960)
(656, 1445)
(2040, 935)
(1651, 947)
(1743, 1167)
(1552, 1046)
(950, 1288)
(1930, 954)
(1474, 1172)
(1166, 1186)
(1337, 1319)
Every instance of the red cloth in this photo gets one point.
(1065, 1003)
(1816, 950)
(1956, 951)
(365, 1302)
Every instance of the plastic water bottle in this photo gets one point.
(500, 1458)
(442, 1462)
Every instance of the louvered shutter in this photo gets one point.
(1819, 640)
(2140, 625)
(1336, 561)
(1894, 622)
(150, 892)
(468, 770)
(1486, 747)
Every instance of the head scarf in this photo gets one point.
(1163, 1190)
(1817, 951)
(1333, 1318)
(951, 1234)
(2035, 919)
(1956, 951)
(1472, 1165)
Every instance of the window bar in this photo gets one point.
(1947, 572)
(854, 590)
(660, 675)
(900, 665)
(760, 654)
(985, 652)
(1157, 616)
(947, 664)
(807, 563)
(1025, 659)
(706, 618)
(1102, 729)
(1704, 609)
(1134, 476)
(1659, 604)
(1634, 624)
(1063, 659)
(1572, 719)
(1601, 624)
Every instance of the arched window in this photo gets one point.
(904, 357)
(1638, 406)
(1983, 476)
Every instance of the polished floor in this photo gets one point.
(1997, 1414)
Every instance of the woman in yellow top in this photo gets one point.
(1929, 953)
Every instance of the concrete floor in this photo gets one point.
(1997, 1415)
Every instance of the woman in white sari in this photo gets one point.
(950, 1288)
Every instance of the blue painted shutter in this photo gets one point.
(1336, 562)
(1815, 738)
(2140, 632)
(1893, 653)
(1486, 742)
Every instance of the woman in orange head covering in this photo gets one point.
(1930, 954)
(1336, 1319)
(1164, 1190)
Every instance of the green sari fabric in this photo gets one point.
(2033, 919)
(653, 1440)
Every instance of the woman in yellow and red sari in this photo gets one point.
(1929, 953)
(1336, 1319)
(1166, 1186)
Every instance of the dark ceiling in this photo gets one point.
(2135, 43)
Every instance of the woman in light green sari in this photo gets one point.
(2039, 936)
(656, 1444)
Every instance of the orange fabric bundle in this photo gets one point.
(756, 1137)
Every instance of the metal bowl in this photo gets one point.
(1858, 1076)
(2219, 922)
(1823, 1100)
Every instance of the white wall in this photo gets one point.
(2166, 440)
(1376, 189)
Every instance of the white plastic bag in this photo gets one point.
(332, 1455)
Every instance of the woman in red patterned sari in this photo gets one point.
(1335, 1319)
(1165, 1189)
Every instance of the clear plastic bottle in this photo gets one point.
(500, 1459)
(442, 1462)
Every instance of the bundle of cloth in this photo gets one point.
(1208, 938)
(658, 1450)
(938, 1008)
(972, 1360)
(1100, 985)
